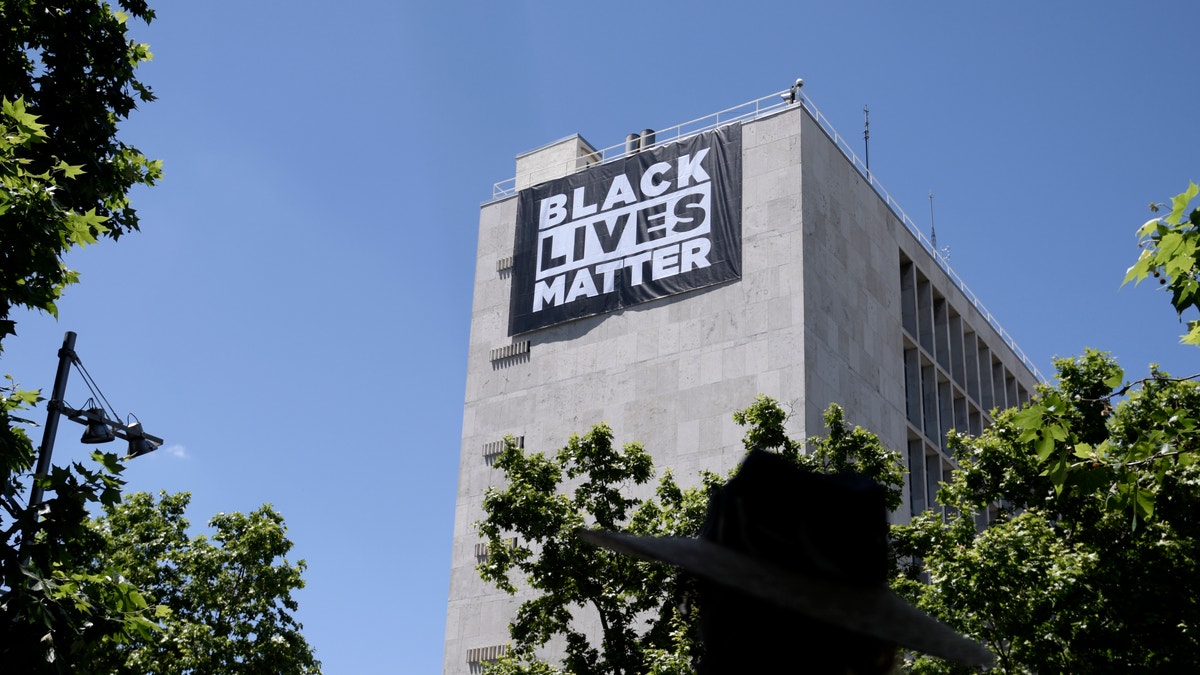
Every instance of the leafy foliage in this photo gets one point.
(56, 601)
(227, 597)
(1090, 562)
(67, 79)
(1171, 253)
(530, 529)
(1070, 429)
(73, 594)
(844, 450)
(646, 612)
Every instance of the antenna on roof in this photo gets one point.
(932, 228)
(943, 253)
(867, 135)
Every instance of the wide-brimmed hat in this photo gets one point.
(814, 544)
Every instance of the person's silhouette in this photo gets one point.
(791, 568)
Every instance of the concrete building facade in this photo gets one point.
(839, 299)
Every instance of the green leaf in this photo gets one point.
(1058, 476)
(1057, 432)
(1148, 227)
(1144, 501)
(1044, 447)
(1029, 421)
(1180, 202)
(1192, 337)
(108, 460)
(1115, 380)
(69, 170)
(80, 227)
(1169, 245)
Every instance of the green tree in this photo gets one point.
(229, 593)
(1068, 426)
(1092, 569)
(55, 603)
(67, 80)
(1171, 254)
(647, 622)
(530, 530)
(844, 450)
(1090, 561)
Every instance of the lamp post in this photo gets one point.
(100, 429)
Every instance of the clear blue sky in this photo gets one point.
(293, 317)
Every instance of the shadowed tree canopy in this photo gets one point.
(67, 79)
(78, 596)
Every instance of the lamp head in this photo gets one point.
(139, 444)
(98, 430)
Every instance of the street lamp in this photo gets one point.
(100, 427)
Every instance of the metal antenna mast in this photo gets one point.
(932, 228)
(867, 135)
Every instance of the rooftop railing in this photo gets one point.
(776, 102)
(741, 113)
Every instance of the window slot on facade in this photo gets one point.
(933, 477)
(481, 548)
(975, 421)
(947, 470)
(925, 313)
(492, 449)
(912, 386)
(916, 476)
(941, 332)
(1010, 388)
(509, 351)
(908, 299)
(480, 655)
(945, 411)
(986, 391)
(998, 383)
(971, 347)
(956, 350)
(961, 423)
(929, 399)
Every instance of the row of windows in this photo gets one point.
(947, 340)
(953, 380)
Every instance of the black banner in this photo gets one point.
(660, 222)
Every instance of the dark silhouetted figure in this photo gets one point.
(791, 570)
